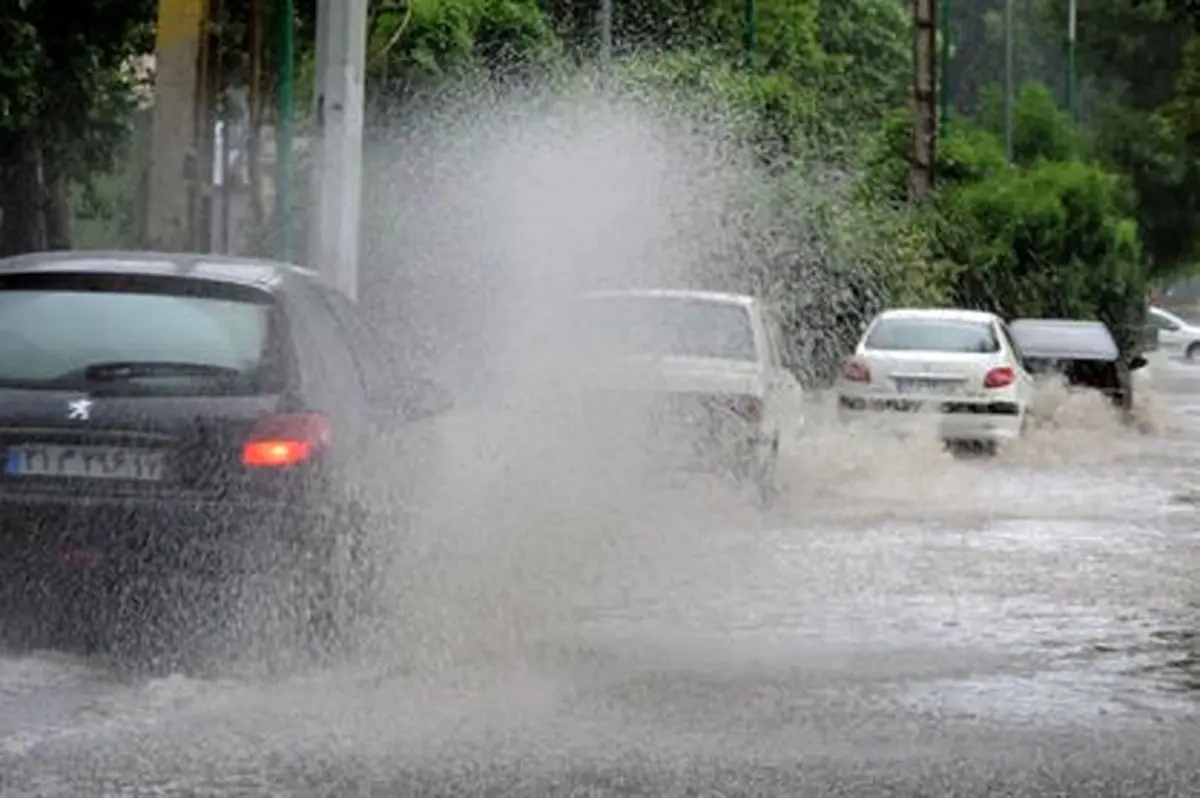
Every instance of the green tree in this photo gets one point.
(869, 58)
(67, 101)
(1056, 239)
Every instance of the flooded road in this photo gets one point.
(904, 624)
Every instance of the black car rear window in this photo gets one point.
(1065, 340)
(55, 329)
(932, 335)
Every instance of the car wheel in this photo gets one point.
(1193, 351)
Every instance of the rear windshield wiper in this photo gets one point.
(119, 370)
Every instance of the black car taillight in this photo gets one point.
(747, 407)
(287, 440)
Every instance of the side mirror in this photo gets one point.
(424, 398)
(1138, 361)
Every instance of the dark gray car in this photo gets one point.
(1084, 352)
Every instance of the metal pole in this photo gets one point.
(606, 33)
(946, 90)
(1069, 89)
(750, 24)
(284, 119)
(1008, 80)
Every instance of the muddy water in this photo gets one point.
(902, 618)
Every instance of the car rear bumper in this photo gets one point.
(954, 420)
(42, 535)
(683, 449)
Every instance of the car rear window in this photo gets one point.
(54, 329)
(932, 335)
(669, 327)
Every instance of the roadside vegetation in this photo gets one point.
(1089, 216)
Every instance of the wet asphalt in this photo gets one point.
(903, 624)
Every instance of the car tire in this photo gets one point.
(1193, 351)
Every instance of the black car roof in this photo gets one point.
(1065, 339)
(255, 272)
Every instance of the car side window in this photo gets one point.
(1012, 345)
(325, 348)
(1161, 322)
(774, 351)
(364, 343)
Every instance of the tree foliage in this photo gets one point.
(65, 105)
(1084, 216)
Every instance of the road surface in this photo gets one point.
(904, 624)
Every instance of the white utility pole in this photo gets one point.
(337, 172)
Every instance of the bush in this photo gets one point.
(1057, 239)
(1041, 130)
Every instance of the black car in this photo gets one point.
(1081, 351)
(166, 414)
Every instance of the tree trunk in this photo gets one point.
(925, 99)
(22, 199)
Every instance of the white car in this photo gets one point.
(710, 365)
(1175, 336)
(961, 365)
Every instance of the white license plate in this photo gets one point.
(923, 386)
(91, 462)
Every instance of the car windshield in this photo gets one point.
(668, 327)
(72, 337)
(932, 335)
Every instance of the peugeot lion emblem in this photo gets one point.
(79, 409)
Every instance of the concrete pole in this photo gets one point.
(176, 120)
(337, 200)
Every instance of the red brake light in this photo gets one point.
(855, 371)
(1000, 377)
(282, 441)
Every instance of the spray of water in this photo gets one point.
(485, 217)
(524, 510)
(493, 228)
(485, 222)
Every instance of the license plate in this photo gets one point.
(922, 386)
(89, 462)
